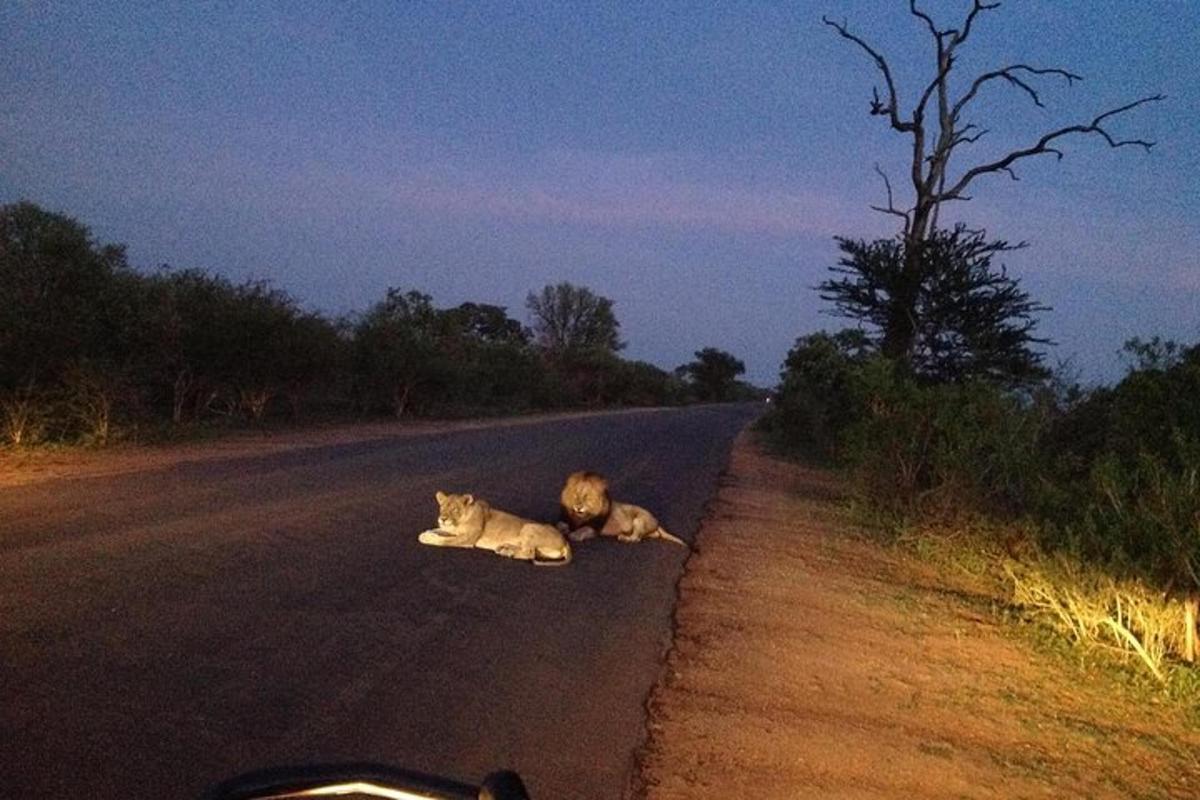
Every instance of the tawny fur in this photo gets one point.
(587, 510)
(466, 521)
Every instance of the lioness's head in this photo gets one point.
(456, 510)
(585, 497)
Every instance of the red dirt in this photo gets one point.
(810, 662)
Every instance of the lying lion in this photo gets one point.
(587, 510)
(465, 521)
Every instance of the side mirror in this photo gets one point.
(363, 780)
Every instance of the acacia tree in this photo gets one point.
(484, 323)
(714, 374)
(973, 321)
(937, 128)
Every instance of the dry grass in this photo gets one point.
(811, 662)
(1123, 617)
(1096, 610)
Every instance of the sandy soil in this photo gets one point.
(809, 662)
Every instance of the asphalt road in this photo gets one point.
(162, 630)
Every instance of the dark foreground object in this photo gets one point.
(364, 780)
(161, 631)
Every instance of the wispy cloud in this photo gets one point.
(622, 191)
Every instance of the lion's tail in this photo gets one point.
(661, 533)
(554, 562)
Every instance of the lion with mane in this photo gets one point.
(587, 510)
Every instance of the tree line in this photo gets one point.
(92, 350)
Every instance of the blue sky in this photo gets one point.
(692, 161)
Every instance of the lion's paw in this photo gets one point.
(582, 534)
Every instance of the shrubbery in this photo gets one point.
(92, 350)
(815, 403)
(939, 449)
(1107, 478)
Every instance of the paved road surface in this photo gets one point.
(162, 630)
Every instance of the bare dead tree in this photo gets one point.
(937, 127)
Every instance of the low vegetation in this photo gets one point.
(1086, 502)
(94, 351)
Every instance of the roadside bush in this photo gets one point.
(23, 413)
(65, 301)
(815, 404)
(1153, 405)
(94, 396)
(639, 383)
(941, 449)
(1096, 492)
(395, 353)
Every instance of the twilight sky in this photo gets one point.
(692, 161)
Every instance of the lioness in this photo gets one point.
(465, 521)
(587, 510)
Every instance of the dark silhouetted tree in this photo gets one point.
(938, 127)
(187, 313)
(568, 318)
(57, 298)
(491, 359)
(485, 323)
(269, 346)
(714, 374)
(971, 320)
(395, 346)
(65, 306)
(815, 402)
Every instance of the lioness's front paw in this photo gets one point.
(507, 550)
(582, 534)
(628, 537)
(433, 536)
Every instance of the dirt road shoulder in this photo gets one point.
(811, 662)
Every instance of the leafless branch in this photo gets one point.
(1096, 122)
(878, 107)
(947, 64)
(1043, 146)
(959, 38)
(891, 206)
(916, 12)
(891, 110)
(961, 136)
(1006, 73)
